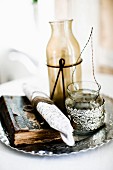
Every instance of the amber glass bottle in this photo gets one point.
(62, 48)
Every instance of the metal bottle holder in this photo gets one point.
(61, 67)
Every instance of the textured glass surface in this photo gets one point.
(86, 116)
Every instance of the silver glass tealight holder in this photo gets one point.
(85, 107)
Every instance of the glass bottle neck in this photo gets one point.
(61, 27)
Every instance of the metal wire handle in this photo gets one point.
(93, 70)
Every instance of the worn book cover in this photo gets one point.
(23, 124)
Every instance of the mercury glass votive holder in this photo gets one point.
(85, 107)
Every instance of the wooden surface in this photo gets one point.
(106, 36)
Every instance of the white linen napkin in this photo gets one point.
(51, 113)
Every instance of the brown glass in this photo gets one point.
(62, 45)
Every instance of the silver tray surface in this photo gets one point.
(82, 144)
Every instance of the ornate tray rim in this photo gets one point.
(4, 140)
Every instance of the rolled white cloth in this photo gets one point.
(51, 113)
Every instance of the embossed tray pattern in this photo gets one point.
(82, 144)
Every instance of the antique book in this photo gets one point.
(23, 124)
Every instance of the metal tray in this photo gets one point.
(82, 144)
